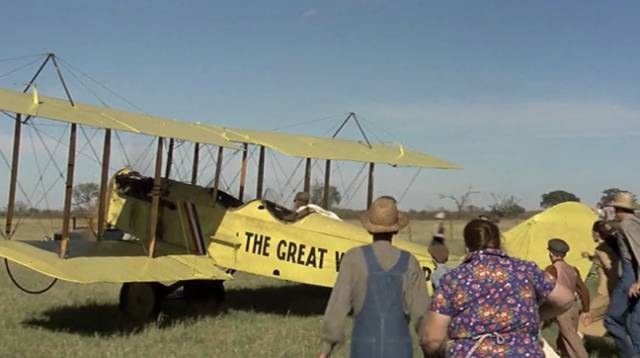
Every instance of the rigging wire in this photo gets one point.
(19, 68)
(406, 190)
(322, 119)
(39, 55)
(103, 86)
(123, 150)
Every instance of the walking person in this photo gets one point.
(382, 285)
(606, 263)
(568, 342)
(440, 256)
(622, 319)
(491, 304)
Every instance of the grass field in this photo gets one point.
(261, 317)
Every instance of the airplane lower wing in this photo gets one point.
(108, 261)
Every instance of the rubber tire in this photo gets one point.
(140, 301)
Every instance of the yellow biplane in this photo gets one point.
(155, 234)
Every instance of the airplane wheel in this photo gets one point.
(204, 290)
(140, 301)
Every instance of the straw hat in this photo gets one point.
(440, 216)
(623, 200)
(383, 216)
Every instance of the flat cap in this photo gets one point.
(558, 246)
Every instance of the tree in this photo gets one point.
(317, 194)
(556, 197)
(608, 194)
(505, 206)
(462, 201)
(85, 195)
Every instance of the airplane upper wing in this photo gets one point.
(337, 149)
(290, 144)
(103, 117)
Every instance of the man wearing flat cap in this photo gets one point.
(569, 342)
(622, 319)
(383, 286)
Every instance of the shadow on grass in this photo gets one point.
(89, 319)
(297, 300)
(95, 319)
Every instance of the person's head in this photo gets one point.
(440, 216)
(481, 234)
(601, 230)
(383, 219)
(558, 249)
(623, 203)
(439, 253)
(301, 199)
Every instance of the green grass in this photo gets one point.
(261, 318)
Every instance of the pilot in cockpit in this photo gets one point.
(302, 208)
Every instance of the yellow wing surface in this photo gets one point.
(569, 221)
(108, 261)
(289, 144)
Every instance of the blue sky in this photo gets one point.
(530, 96)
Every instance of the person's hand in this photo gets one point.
(634, 290)
(323, 355)
(586, 318)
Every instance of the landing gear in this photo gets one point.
(141, 301)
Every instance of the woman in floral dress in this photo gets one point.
(491, 305)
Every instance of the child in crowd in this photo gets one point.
(569, 342)
(440, 255)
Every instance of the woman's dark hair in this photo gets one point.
(481, 234)
(607, 233)
(603, 229)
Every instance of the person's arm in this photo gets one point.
(416, 295)
(583, 292)
(604, 259)
(552, 270)
(555, 298)
(434, 334)
(556, 302)
(631, 230)
(338, 307)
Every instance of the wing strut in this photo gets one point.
(370, 185)
(243, 171)
(14, 174)
(104, 183)
(327, 184)
(307, 176)
(155, 199)
(216, 178)
(194, 168)
(260, 173)
(167, 171)
(66, 214)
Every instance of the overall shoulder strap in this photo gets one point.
(402, 263)
(370, 259)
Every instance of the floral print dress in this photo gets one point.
(493, 301)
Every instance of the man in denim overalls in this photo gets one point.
(383, 286)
